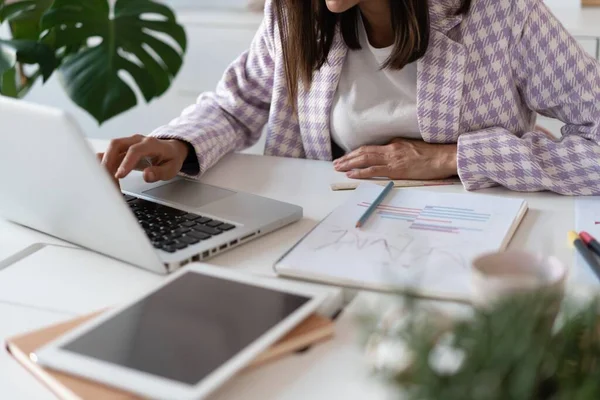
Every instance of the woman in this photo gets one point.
(406, 89)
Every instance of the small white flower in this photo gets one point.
(390, 355)
(445, 358)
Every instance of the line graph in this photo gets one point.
(433, 218)
(353, 240)
(402, 251)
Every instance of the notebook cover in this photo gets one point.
(314, 329)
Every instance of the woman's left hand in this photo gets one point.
(401, 159)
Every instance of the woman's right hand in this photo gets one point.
(158, 159)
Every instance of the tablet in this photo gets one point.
(186, 337)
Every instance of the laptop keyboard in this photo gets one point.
(170, 229)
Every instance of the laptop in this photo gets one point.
(52, 182)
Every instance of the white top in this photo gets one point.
(373, 105)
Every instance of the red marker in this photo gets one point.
(588, 255)
(590, 242)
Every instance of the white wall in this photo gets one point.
(551, 3)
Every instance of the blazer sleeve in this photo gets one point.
(558, 79)
(232, 117)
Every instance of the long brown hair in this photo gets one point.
(307, 29)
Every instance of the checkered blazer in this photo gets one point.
(480, 84)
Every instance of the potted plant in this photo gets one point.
(513, 351)
(90, 44)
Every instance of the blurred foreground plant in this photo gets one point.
(516, 351)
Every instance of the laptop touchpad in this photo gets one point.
(188, 193)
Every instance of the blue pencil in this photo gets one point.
(374, 205)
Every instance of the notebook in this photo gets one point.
(417, 241)
(353, 184)
(313, 330)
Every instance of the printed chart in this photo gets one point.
(417, 240)
(451, 220)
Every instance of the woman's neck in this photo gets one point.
(377, 18)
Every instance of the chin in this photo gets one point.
(339, 6)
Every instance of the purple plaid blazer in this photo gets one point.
(480, 84)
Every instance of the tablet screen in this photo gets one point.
(188, 328)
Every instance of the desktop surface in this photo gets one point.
(303, 182)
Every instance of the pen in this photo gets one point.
(590, 242)
(585, 252)
(374, 205)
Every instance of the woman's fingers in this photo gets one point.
(148, 147)
(116, 150)
(379, 171)
(362, 151)
(162, 172)
(362, 161)
(363, 157)
(158, 159)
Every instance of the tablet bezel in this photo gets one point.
(145, 384)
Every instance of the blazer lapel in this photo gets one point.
(440, 77)
(314, 105)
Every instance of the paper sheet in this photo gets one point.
(416, 239)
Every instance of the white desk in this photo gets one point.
(326, 371)
(16, 383)
(580, 21)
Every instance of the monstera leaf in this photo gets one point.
(8, 56)
(15, 10)
(140, 38)
(23, 48)
(24, 17)
(8, 50)
(26, 52)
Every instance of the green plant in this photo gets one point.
(90, 44)
(514, 351)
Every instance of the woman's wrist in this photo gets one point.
(181, 148)
(187, 157)
(450, 159)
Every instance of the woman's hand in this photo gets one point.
(159, 159)
(401, 159)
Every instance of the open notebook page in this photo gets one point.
(416, 240)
